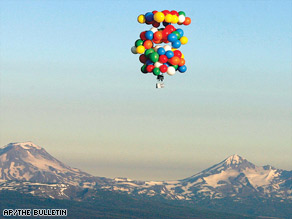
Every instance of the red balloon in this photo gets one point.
(165, 33)
(154, 12)
(171, 28)
(149, 68)
(166, 12)
(163, 59)
(163, 68)
(142, 58)
(142, 35)
(149, 22)
(173, 12)
(155, 24)
(177, 53)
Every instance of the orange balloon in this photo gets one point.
(187, 21)
(148, 44)
(182, 62)
(157, 35)
(156, 41)
(174, 60)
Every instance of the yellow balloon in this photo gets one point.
(159, 17)
(140, 49)
(168, 18)
(174, 19)
(184, 40)
(141, 19)
(182, 56)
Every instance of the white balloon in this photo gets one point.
(157, 47)
(181, 18)
(167, 47)
(170, 70)
(134, 50)
(154, 29)
(157, 64)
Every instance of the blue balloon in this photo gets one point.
(171, 37)
(167, 64)
(149, 35)
(182, 69)
(176, 44)
(148, 62)
(169, 54)
(161, 51)
(180, 31)
(149, 16)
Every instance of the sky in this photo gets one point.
(69, 83)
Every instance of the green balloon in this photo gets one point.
(148, 52)
(156, 71)
(177, 34)
(154, 57)
(143, 69)
(182, 13)
(175, 67)
(139, 43)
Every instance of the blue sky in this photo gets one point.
(70, 83)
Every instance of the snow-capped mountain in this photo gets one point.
(29, 162)
(28, 168)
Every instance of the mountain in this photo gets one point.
(234, 185)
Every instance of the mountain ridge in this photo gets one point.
(28, 167)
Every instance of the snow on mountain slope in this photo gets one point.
(28, 162)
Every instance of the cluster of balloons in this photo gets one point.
(156, 58)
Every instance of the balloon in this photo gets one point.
(176, 44)
(171, 37)
(167, 47)
(139, 43)
(182, 62)
(149, 51)
(170, 70)
(156, 71)
(177, 53)
(182, 13)
(157, 35)
(182, 69)
(148, 44)
(166, 12)
(157, 64)
(174, 19)
(180, 31)
(150, 68)
(154, 57)
(173, 12)
(168, 18)
(163, 68)
(142, 35)
(184, 40)
(142, 58)
(134, 50)
(158, 58)
(154, 29)
(174, 60)
(169, 54)
(181, 18)
(157, 47)
(149, 35)
(149, 16)
(161, 51)
(159, 17)
(141, 19)
(187, 21)
(140, 49)
(143, 69)
(163, 59)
